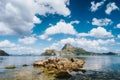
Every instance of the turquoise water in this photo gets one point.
(92, 63)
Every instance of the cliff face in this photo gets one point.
(3, 53)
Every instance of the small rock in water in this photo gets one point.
(10, 67)
(24, 65)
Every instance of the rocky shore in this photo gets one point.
(60, 63)
(59, 66)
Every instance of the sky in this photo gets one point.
(32, 26)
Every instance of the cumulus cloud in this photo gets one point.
(90, 45)
(6, 44)
(98, 32)
(28, 40)
(5, 30)
(53, 7)
(60, 27)
(101, 22)
(18, 16)
(118, 25)
(13, 48)
(111, 7)
(95, 6)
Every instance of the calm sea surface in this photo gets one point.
(94, 63)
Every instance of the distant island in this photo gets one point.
(68, 49)
(3, 53)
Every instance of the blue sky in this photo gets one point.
(31, 26)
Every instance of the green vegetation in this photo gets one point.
(3, 53)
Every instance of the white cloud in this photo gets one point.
(28, 40)
(49, 39)
(36, 20)
(6, 44)
(90, 45)
(43, 36)
(60, 27)
(118, 36)
(118, 25)
(98, 32)
(111, 7)
(101, 22)
(4, 30)
(94, 7)
(53, 7)
(75, 22)
(18, 16)
(24, 50)
(13, 48)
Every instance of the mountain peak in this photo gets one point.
(67, 46)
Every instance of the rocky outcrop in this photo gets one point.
(3, 53)
(49, 52)
(59, 67)
(60, 64)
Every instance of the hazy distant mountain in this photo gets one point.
(3, 53)
(110, 53)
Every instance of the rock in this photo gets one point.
(63, 75)
(24, 65)
(10, 67)
(60, 64)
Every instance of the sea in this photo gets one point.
(97, 67)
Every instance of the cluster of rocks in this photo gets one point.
(60, 64)
(13, 66)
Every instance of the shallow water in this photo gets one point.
(98, 67)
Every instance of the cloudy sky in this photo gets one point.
(31, 26)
